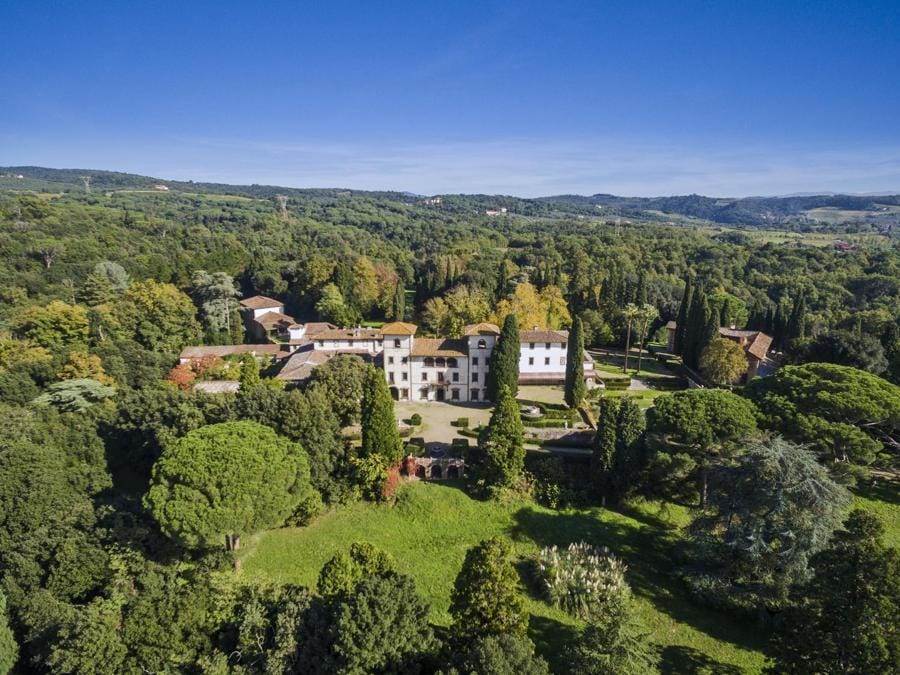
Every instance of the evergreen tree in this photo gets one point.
(501, 287)
(379, 425)
(603, 455)
(97, 290)
(681, 323)
(779, 327)
(502, 443)
(847, 618)
(696, 324)
(710, 330)
(249, 375)
(575, 388)
(504, 361)
(640, 293)
(796, 324)
(630, 424)
(398, 308)
(8, 648)
(485, 598)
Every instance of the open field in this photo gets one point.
(432, 525)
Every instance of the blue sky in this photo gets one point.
(526, 98)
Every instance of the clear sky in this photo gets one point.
(528, 98)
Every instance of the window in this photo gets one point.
(530, 360)
(474, 377)
(441, 376)
(530, 345)
(321, 343)
(563, 345)
(404, 360)
(429, 362)
(451, 362)
(546, 360)
(391, 378)
(456, 377)
(423, 394)
(424, 377)
(562, 360)
(475, 361)
(397, 344)
(454, 394)
(440, 362)
(390, 360)
(546, 345)
(474, 395)
(404, 377)
(482, 344)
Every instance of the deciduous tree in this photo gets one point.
(723, 362)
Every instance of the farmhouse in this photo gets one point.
(756, 345)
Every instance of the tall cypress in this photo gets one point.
(503, 443)
(575, 389)
(379, 426)
(796, 323)
(681, 323)
(640, 293)
(504, 361)
(398, 309)
(603, 453)
(711, 326)
(630, 424)
(696, 324)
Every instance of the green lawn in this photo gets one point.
(432, 525)
(884, 501)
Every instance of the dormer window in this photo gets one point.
(482, 344)
(397, 344)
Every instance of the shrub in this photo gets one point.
(415, 420)
(462, 423)
(586, 581)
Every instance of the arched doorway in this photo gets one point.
(453, 472)
(436, 471)
(420, 472)
(395, 393)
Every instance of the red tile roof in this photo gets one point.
(261, 302)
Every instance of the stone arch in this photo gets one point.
(453, 471)
(436, 471)
(420, 471)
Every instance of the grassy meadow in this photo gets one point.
(432, 525)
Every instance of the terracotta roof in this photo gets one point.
(349, 334)
(439, 347)
(230, 350)
(543, 335)
(302, 363)
(399, 328)
(271, 319)
(261, 302)
(760, 346)
(482, 328)
(316, 327)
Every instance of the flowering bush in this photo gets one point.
(586, 581)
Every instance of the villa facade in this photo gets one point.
(415, 368)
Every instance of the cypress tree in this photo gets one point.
(486, 598)
(710, 327)
(779, 326)
(379, 426)
(604, 450)
(681, 323)
(398, 310)
(575, 388)
(503, 443)
(796, 323)
(249, 375)
(630, 424)
(502, 281)
(504, 361)
(697, 317)
(640, 294)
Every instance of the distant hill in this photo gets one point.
(758, 211)
(878, 211)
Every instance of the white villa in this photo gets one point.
(416, 368)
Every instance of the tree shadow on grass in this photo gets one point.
(549, 636)
(648, 550)
(681, 660)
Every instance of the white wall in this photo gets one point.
(556, 354)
